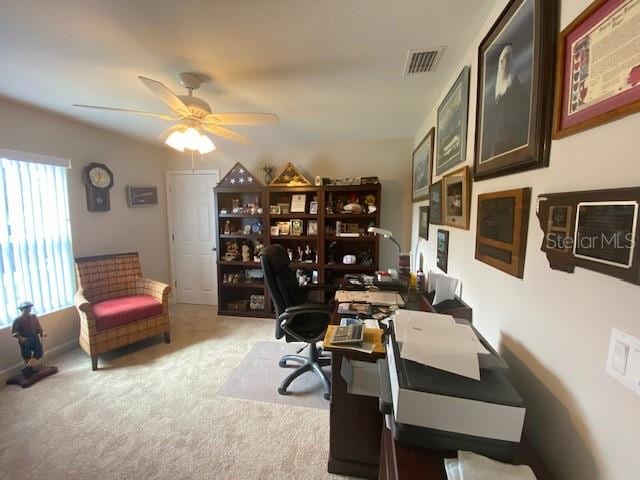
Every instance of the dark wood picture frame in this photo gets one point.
(502, 226)
(435, 203)
(442, 250)
(453, 215)
(424, 147)
(444, 161)
(562, 242)
(423, 222)
(533, 154)
(612, 108)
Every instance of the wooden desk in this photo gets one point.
(399, 461)
(360, 445)
(355, 420)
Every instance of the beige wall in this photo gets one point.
(553, 327)
(122, 229)
(387, 159)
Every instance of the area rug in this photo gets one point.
(258, 376)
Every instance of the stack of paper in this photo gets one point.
(438, 341)
(376, 298)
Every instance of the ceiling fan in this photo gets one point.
(194, 117)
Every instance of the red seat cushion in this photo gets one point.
(122, 310)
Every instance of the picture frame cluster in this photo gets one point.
(532, 85)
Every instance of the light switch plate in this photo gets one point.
(623, 361)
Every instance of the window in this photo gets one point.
(36, 259)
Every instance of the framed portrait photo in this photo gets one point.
(453, 115)
(296, 227)
(515, 81)
(312, 227)
(422, 167)
(456, 191)
(598, 71)
(313, 207)
(284, 228)
(442, 250)
(501, 236)
(423, 222)
(435, 203)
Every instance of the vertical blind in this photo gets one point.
(36, 259)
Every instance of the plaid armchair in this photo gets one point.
(117, 306)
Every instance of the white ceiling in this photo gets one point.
(331, 69)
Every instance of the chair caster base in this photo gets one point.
(327, 396)
(282, 391)
(282, 363)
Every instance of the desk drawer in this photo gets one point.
(361, 377)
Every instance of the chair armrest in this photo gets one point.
(82, 304)
(85, 312)
(158, 290)
(290, 314)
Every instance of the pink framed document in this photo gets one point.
(598, 67)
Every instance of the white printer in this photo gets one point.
(432, 408)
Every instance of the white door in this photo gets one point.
(193, 237)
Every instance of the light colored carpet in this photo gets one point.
(153, 413)
(258, 377)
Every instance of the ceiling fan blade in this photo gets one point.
(174, 128)
(167, 96)
(241, 118)
(228, 134)
(124, 110)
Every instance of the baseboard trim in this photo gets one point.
(54, 352)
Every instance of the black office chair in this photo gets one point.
(296, 318)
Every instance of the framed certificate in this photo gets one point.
(598, 67)
(298, 203)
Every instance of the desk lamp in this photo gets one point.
(403, 258)
(385, 234)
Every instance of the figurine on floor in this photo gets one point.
(26, 328)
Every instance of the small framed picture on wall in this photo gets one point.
(422, 167)
(452, 125)
(423, 222)
(456, 190)
(442, 252)
(435, 203)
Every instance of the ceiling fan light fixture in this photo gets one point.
(191, 138)
(206, 145)
(176, 141)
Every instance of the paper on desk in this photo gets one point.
(378, 298)
(435, 341)
(371, 323)
(404, 320)
(476, 341)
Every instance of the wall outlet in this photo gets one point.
(623, 361)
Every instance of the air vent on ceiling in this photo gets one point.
(422, 61)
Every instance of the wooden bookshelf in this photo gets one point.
(326, 214)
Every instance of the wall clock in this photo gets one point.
(98, 179)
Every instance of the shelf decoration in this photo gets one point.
(290, 177)
(239, 176)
